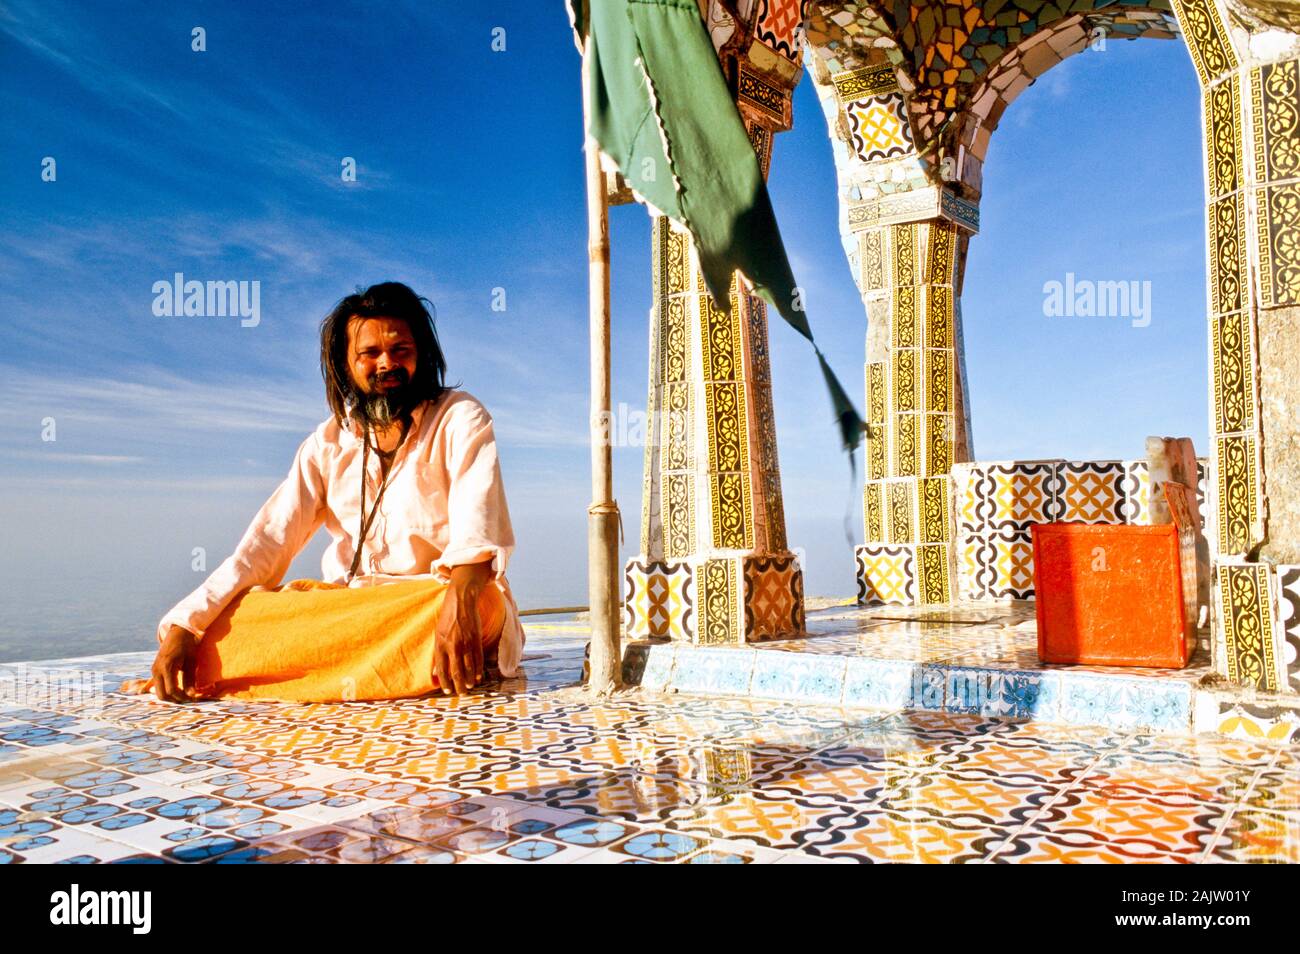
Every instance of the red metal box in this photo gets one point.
(1110, 595)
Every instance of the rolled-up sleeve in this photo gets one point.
(478, 520)
(284, 525)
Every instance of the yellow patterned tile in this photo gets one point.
(1257, 837)
(1229, 279)
(1279, 250)
(1275, 111)
(1233, 373)
(905, 380)
(1223, 137)
(1238, 495)
(878, 127)
(1137, 828)
(886, 574)
(940, 321)
(940, 380)
(1207, 38)
(873, 511)
(900, 510)
(1250, 655)
(934, 574)
(939, 450)
(908, 449)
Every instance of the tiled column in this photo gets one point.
(1251, 108)
(1274, 109)
(714, 565)
(909, 276)
(906, 239)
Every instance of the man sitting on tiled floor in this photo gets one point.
(428, 520)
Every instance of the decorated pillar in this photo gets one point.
(1247, 57)
(906, 236)
(715, 566)
(917, 426)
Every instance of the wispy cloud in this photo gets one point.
(167, 400)
(271, 131)
(301, 247)
(75, 458)
(108, 484)
(46, 30)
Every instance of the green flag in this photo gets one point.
(659, 107)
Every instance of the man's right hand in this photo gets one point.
(174, 663)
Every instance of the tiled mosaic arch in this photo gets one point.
(912, 92)
(955, 60)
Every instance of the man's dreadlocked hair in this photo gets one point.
(385, 300)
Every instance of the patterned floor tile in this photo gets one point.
(1258, 837)
(1077, 848)
(1276, 789)
(824, 627)
(1209, 750)
(419, 825)
(531, 771)
(425, 855)
(1007, 744)
(315, 841)
(918, 730)
(771, 819)
(884, 835)
(1125, 777)
(479, 841)
(727, 758)
(1137, 828)
(590, 833)
(332, 811)
(369, 850)
(539, 851)
(877, 764)
(78, 848)
(658, 845)
(727, 852)
(803, 858)
(616, 795)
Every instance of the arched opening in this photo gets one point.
(1092, 183)
(1084, 302)
(912, 98)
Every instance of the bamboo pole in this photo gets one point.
(602, 515)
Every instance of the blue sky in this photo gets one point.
(225, 165)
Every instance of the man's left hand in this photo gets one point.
(458, 646)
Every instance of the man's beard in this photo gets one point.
(383, 407)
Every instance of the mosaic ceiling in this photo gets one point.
(947, 48)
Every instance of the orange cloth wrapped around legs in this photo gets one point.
(310, 641)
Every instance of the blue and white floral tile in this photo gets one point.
(658, 670)
(1001, 693)
(879, 683)
(1126, 703)
(807, 677)
(715, 670)
(930, 693)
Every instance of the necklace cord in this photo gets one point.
(367, 521)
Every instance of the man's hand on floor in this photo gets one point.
(458, 646)
(174, 663)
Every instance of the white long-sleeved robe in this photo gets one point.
(445, 505)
